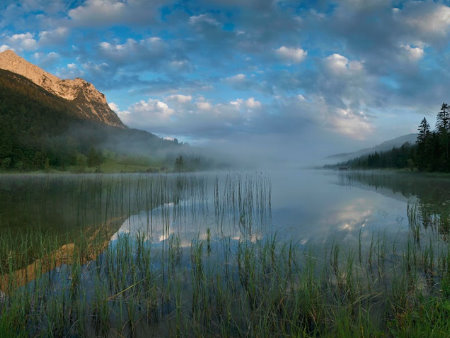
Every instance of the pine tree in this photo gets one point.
(443, 118)
(424, 131)
(442, 125)
(423, 140)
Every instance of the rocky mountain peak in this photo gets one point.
(90, 102)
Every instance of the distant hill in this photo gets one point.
(382, 147)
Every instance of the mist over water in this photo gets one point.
(299, 205)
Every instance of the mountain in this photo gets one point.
(87, 102)
(382, 147)
(43, 128)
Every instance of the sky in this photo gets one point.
(268, 78)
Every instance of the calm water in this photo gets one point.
(303, 206)
(65, 242)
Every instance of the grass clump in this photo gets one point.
(230, 279)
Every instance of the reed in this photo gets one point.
(231, 279)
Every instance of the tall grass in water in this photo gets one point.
(229, 280)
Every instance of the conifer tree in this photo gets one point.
(443, 124)
(424, 131)
(443, 118)
(423, 140)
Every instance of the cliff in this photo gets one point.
(89, 102)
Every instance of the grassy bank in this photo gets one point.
(262, 288)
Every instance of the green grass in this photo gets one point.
(267, 289)
(219, 285)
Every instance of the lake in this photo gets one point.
(306, 205)
(107, 241)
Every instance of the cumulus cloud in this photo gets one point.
(250, 103)
(4, 47)
(114, 12)
(215, 68)
(180, 98)
(53, 37)
(339, 64)
(46, 59)
(22, 42)
(236, 78)
(70, 71)
(292, 55)
(188, 116)
(427, 18)
(354, 125)
(132, 50)
(413, 53)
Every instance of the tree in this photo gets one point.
(424, 131)
(423, 140)
(179, 163)
(443, 118)
(94, 158)
(442, 125)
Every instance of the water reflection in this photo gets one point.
(428, 197)
(305, 207)
(315, 207)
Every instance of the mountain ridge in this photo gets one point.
(91, 104)
(39, 130)
(384, 146)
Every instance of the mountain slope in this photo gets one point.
(88, 102)
(39, 129)
(382, 147)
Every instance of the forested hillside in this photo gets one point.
(431, 152)
(39, 130)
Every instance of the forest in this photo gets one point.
(40, 131)
(429, 153)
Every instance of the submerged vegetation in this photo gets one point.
(191, 255)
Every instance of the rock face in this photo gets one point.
(90, 102)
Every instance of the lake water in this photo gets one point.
(143, 255)
(307, 207)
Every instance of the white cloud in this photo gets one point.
(46, 59)
(236, 78)
(4, 47)
(351, 124)
(339, 64)
(131, 50)
(95, 11)
(113, 12)
(55, 36)
(202, 19)
(186, 115)
(22, 42)
(252, 103)
(204, 105)
(114, 106)
(180, 98)
(431, 19)
(70, 71)
(293, 55)
(413, 53)
(151, 112)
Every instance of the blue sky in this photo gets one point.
(313, 77)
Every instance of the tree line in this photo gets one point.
(431, 152)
